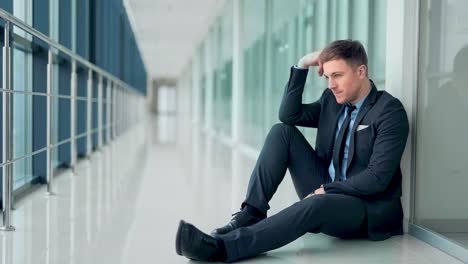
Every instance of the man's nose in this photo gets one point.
(331, 84)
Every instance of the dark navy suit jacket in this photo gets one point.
(373, 172)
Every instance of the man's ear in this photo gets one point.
(362, 70)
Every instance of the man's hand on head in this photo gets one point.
(311, 59)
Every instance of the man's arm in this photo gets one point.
(388, 148)
(292, 111)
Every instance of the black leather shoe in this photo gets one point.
(240, 219)
(194, 244)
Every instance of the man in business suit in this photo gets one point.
(349, 185)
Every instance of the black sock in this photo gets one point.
(253, 211)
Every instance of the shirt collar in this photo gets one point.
(359, 104)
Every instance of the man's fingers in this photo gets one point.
(320, 68)
(310, 194)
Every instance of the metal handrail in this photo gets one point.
(27, 28)
(59, 96)
(116, 90)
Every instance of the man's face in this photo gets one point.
(345, 81)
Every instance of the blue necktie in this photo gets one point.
(338, 149)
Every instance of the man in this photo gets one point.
(349, 185)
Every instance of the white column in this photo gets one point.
(401, 78)
(196, 115)
(196, 91)
(209, 85)
(209, 106)
(269, 65)
(237, 82)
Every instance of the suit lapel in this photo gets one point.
(368, 103)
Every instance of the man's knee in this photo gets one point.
(315, 206)
(281, 128)
(311, 205)
(317, 201)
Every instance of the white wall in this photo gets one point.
(401, 75)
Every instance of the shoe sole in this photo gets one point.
(178, 240)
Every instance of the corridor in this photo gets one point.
(123, 206)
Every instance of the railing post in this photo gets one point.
(120, 108)
(49, 170)
(111, 123)
(131, 110)
(99, 126)
(89, 108)
(128, 109)
(125, 107)
(108, 110)
(7, 135)
(73, 93)
(114, 112)
(117, 111)
(124, 110)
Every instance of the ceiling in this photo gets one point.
(168, 31)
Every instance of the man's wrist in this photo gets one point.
(297, 66)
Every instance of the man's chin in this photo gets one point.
(340, 101)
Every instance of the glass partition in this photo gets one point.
(441, 151)
(22, 101)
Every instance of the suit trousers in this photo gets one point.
(333, 214)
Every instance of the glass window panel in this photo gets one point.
(22, 172)
(223, 80)
(360, 21)
(22, 136)
(275, 35)
(22, 103)
(441, 160)
(377, 40)
(253, 111)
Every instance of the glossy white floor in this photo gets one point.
(123, 206)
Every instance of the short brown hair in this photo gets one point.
(351, 51)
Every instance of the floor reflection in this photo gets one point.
(165, 127)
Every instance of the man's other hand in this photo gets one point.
(320, 190)
(311, 59)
